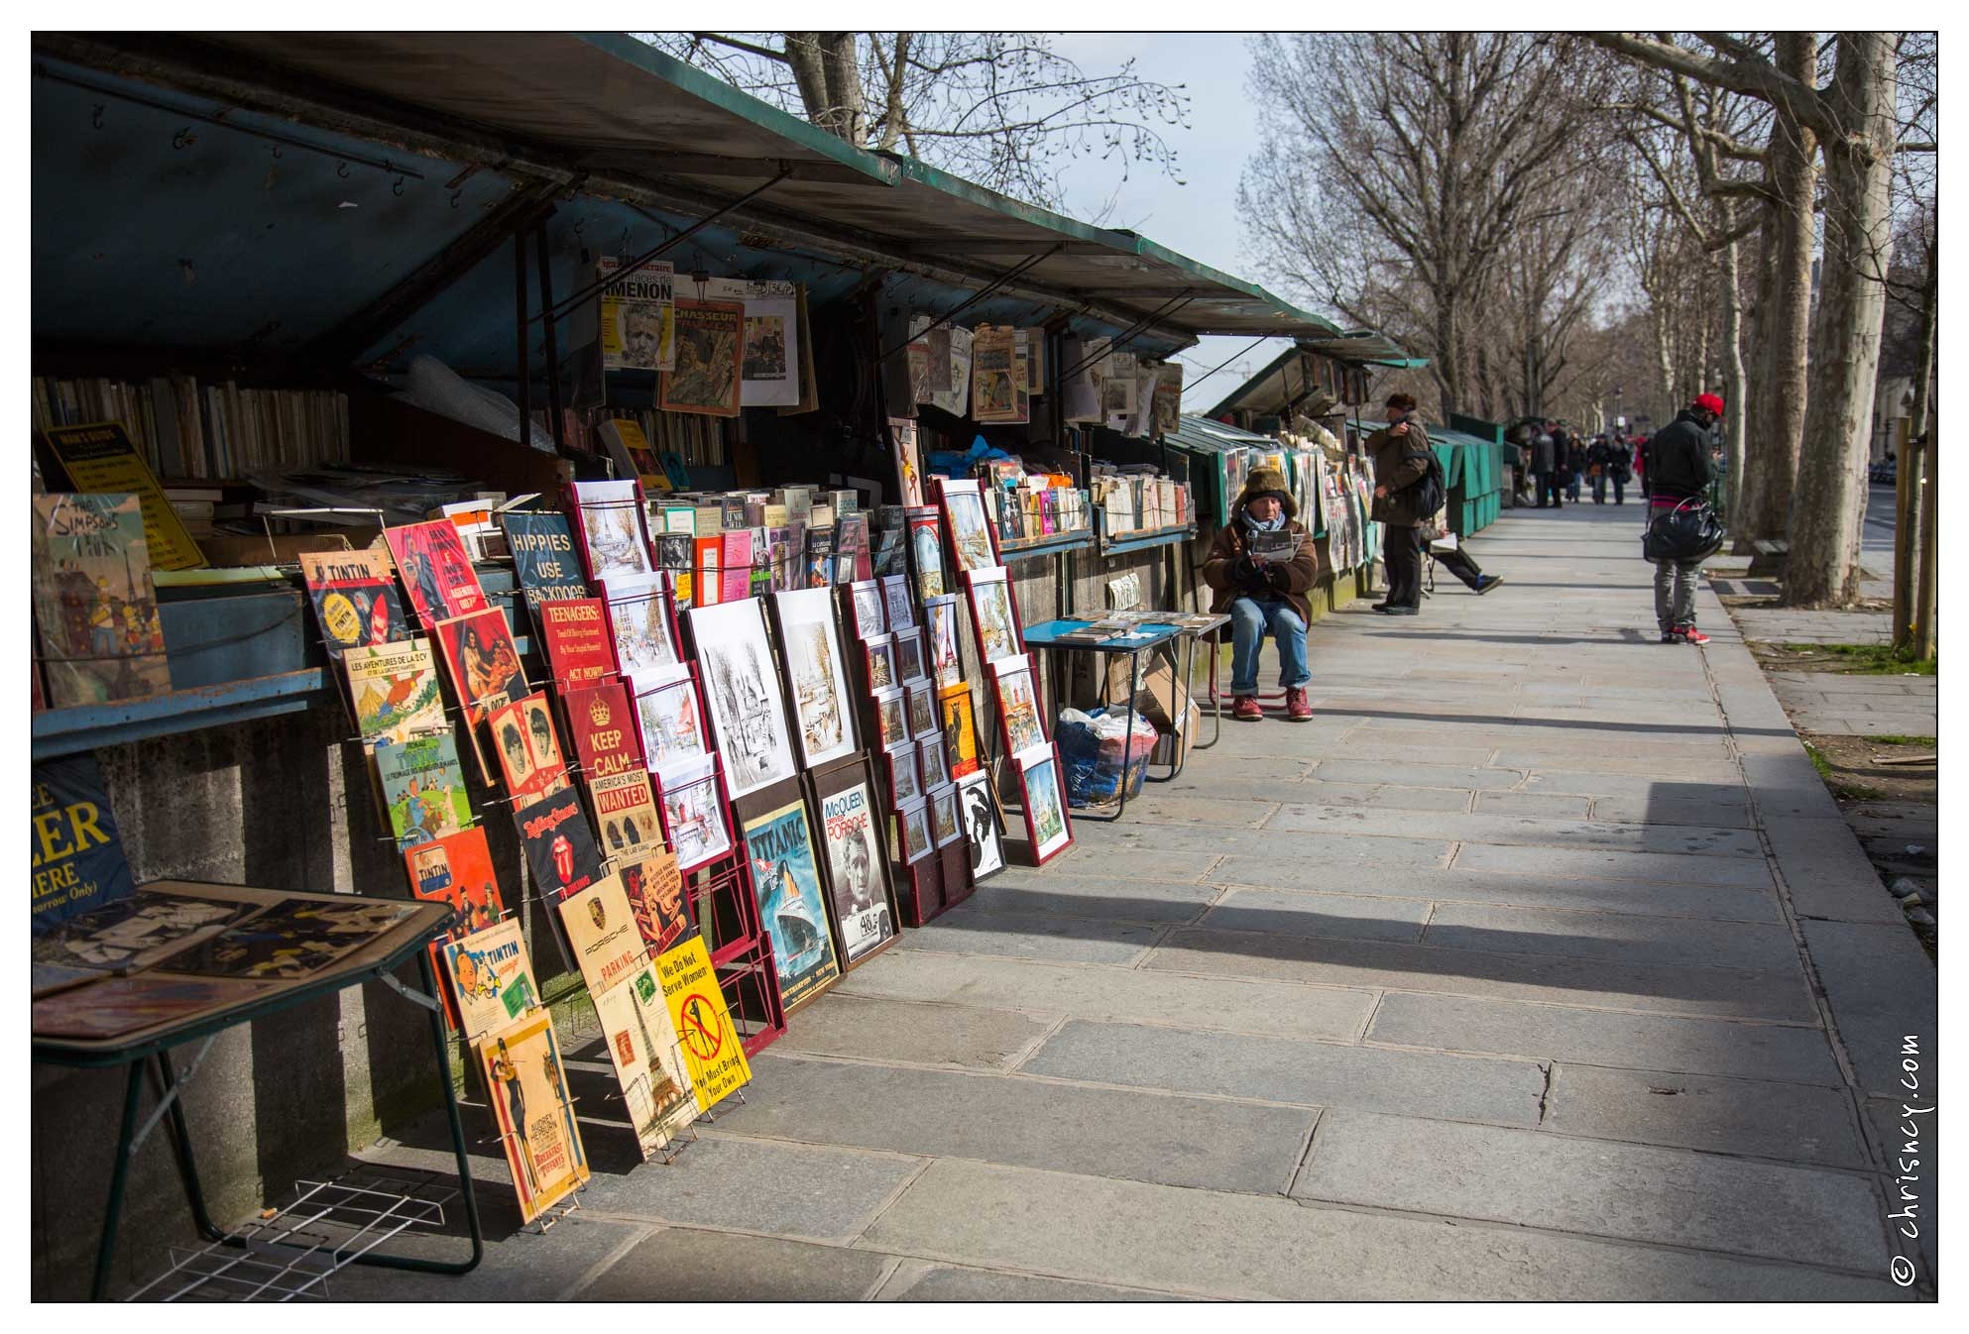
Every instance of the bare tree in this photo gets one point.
(999, 108)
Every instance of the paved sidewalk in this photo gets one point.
(1858, 705)
(1540, 965)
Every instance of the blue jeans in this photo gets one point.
(1250, 622)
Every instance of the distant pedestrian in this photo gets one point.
(1599, 467)
(1543, 451)
(1401, 457)
(1260, 566)
(1574, 467)
(1681, 467)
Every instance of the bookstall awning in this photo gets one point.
(625, 146)
(1283, 384)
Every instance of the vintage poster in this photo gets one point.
(134, 932)
(101, 639)
(922, 711)
(851, 559)
(940, 634)
(995, 389)
(742, 691)
(1045, 803)
(611, 523)
(694, 812)
(956, 399)
(604, 731)
(294, 938)
(867, 595)
(456, 869)
(854, 863)
(736, 562)
(769, 361)
(491, 978)
(786, 881)
(78, 855)
(355, 599)
(909, 460)
(395, 691)
(823, 710)
(484, 664)
(929, 358)
(100, 460)
(423, 789)
(625, 807)
(639, 623)
(528, 1090)
(983, 830)
(960, 728)
(608, 945)
(649, 1062)
(559, 845)
(638, 326)
(436, 572)
(667, 718)
(1018, 706)
(1167, 411)
(712, 1052)
(896, 600)
(708, 376)
(970, 532)
(544, 560)
(994, 616)
(579, 652)
(655, 887)
(926, 549)
(113, 1006)
(529, 752)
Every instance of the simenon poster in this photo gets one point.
(437, 574)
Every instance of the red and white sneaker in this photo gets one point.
(1244, 709)
(1298, 708)
(1688, 634)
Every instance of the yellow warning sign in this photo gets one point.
(712, 1052)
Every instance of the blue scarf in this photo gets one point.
(1271, 525)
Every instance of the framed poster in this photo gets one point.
(905, 775)
(578, 650)
(693, 805)
(1018, 705)
(922, 710)
(667, 717)
(649, 1061)
(879, 658)
(944, 825)
(992, 612)
(857, 871)
(559, 845)
(600, 924)
(529, 753)
(484, 664)
(895, 600)
(1047, 825)
(528, 1091)
(971, 541)
(655, 887)
(932, 759)
(437, 574)
(891, 717)
(491, 978)
(779, 848)
(913, 829)
(610, 527)
(869, 620)
(639, 624)
(926, 549)
(960, 729)
(984, 826)
(946, 660)
(741, 686)
(823, 710)
(910, 667)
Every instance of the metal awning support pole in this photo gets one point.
(552, 352)
(525, 376)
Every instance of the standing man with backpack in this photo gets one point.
(1680, 469)
(1408, 488)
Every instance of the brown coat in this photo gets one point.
(1399, 462)
(1219, 569)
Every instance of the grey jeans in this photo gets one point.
(1675, 593)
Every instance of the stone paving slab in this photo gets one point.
(1138, 1136)
(947, 1283)
(1633, 810)
(1156, 805)
(1610, 756)
(1335, 916)
(1315, 1074)
(1648, 897)
(1129, 862)
(1102, 843)
(1827, 873)
(1397, 750)
(1785, 625)
(1605, 1037)
(1539, 804)
(1741, 872)
(1211, 1244)
(1020, 889)
(1883, 990)
(1642, 787)
(1384, 796)
(521, 1267)
(1519, 830)
(1405, 773)
(1629, 937)
(1039, 936)
(867, 1028)
(1276, 1009)
(1734, 993)
(1597, 1188)
(682, 1265)
(1790, 1122)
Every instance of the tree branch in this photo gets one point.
(735, 44)
(1753, 78)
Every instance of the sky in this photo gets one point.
(1198, 218)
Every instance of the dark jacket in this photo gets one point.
(1232, 575)
(1541, 454)
(1399, 462)
(1679, 463)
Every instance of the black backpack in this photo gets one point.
(1430, 490)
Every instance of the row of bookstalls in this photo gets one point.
(520, 474)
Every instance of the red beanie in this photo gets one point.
(1709, 403)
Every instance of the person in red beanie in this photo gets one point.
(1681, 465)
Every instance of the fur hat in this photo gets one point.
(1268, 482)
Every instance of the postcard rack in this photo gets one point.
(293, 1251)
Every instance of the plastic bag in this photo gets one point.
(1092, 748)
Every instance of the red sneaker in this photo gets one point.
(1245, 709)
(1297, 708)
(1688, 634)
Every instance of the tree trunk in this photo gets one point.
(843, 70)
(1829, 501)
(1448, 351)
(1774, 432)
(1733, 405)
